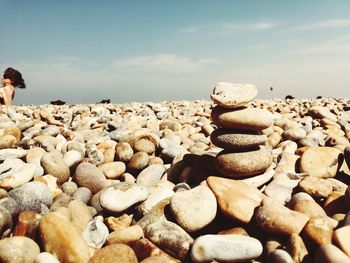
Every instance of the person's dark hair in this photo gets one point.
(15, 76)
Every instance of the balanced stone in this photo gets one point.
(248, 119)
(240, 164)
(237, 140)
(232, 95)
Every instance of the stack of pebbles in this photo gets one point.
(240, 131)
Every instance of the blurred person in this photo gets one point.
(10, 80)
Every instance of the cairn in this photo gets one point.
(240, 131)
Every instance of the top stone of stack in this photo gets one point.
(233, 95)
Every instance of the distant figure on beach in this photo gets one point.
(10, 80)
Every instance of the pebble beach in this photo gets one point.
(228, 179)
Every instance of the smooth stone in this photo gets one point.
(281, 187)
(80, 214)
(54, 164)
(45, 257)
(144, 145)
(82, 194)
(294, 134)
(95, 233)
(247, 119)
(95, 156)
(316, 187)
(90, 176)
(280, 256)
(236, 140)
(126, 235)
(118, 223)
(239, 206)
(319, 230)
(273, 217)
(243, 164)
(113, 170)
(32, 196)
(322, 162)
(121, 196)
(18, 177)
(154, 198)
(155, 214)
(341, 236)
(123, 152)
(51, 183)
(138, 161)
(323, 112)
(8, 141)
(27, 224)
(61, 238)
(297, 249)
(72, 158)
(329, 253)
(304, 203)
(69, 188)
(225, 248)
(261, 179)
(170, 237)
(12, 153)
(11, 205)
(233, 95)
(194, 209)
(150, 174)
(114, 253)
(145, 249)
(18, 250)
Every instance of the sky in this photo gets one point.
(83, 51)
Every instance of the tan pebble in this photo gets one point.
(242, 204)
(316, 187)
(341, 237)
(109, 254)
(322, 162)
(335, 203)
(126, 235)
(276, 218)
(138, 161)
(7, 141)
(234, 231)
(329, 253)
(144, 249)
(27, 224)
(124, 152)
(118, 223)
(297, 248)
(319, 230)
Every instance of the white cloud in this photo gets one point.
(337, 45)
(326, 24)
(250, 26)
(190, 29)
(163, 63)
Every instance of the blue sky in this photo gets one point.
(154, 50)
